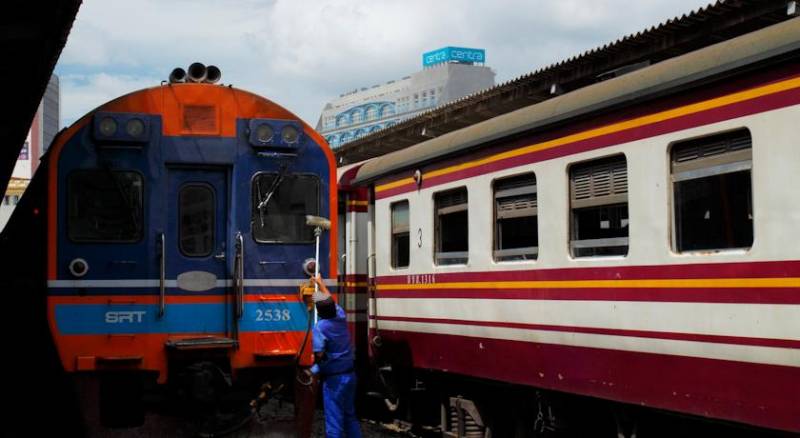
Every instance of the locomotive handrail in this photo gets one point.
(239, 272)
(161, 280)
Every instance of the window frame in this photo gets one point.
(392, 254)
(614, 199)
(142, 210)
(250, 204)
(437, 235)
(698, 172)
(495, 218)
(213, 192)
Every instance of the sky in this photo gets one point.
(303, 53)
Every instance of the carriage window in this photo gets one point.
(516, 223)
(280, 204)
(599, 203)
(400, 236)
(712, 192)
(196, 229)
(104, 206)
(452, 231)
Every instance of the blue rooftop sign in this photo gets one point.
(457, 54)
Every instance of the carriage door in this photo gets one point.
(196, 256)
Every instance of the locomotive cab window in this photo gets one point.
(452, 230)
(400, 235)
(104, 206)
(279, 207)
(196, 226)
(711, 181)
(599, 204)
(516, 225)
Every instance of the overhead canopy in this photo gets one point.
(32, 35)
(720, 21)
(774, 42)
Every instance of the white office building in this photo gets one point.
(448, 74)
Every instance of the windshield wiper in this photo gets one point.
(263, 200)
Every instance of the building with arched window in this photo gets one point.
(448, 74)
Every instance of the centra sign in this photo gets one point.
(456, 54)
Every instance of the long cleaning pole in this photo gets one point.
(317, 233)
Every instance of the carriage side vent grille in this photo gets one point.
(599, 179)
(449, 199)
(516, 196)
(507, 205)
(705, 147)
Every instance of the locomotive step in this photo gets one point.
(119, 360)
(204, 343)
(275, 354)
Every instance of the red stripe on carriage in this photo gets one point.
(777, 269)
(694, 337)
(716, 295)
(745, 392)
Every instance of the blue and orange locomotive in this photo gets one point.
(176, 238)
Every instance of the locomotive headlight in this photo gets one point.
(274, 135)
(264, 133)
(289, 134)
(108, 126)
(78, 267)
(309, 266)
(114, 128)
(134, 128)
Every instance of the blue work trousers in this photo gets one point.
(339, 399)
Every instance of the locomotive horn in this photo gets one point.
(178, 75)
(197, 72)
(213, 74)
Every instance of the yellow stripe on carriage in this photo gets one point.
(613, 128)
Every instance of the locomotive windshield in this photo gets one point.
(196, 209)
(104, 206)
(280, 204)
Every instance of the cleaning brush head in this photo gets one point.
(318, 221)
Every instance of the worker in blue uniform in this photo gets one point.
(334, 363)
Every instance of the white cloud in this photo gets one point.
(83, 93)
(303, 53)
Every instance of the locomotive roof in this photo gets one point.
(657, 80)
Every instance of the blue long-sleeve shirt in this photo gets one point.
(332, 337)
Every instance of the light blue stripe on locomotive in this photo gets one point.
(99, 319)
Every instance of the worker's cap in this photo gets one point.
(326, 309)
